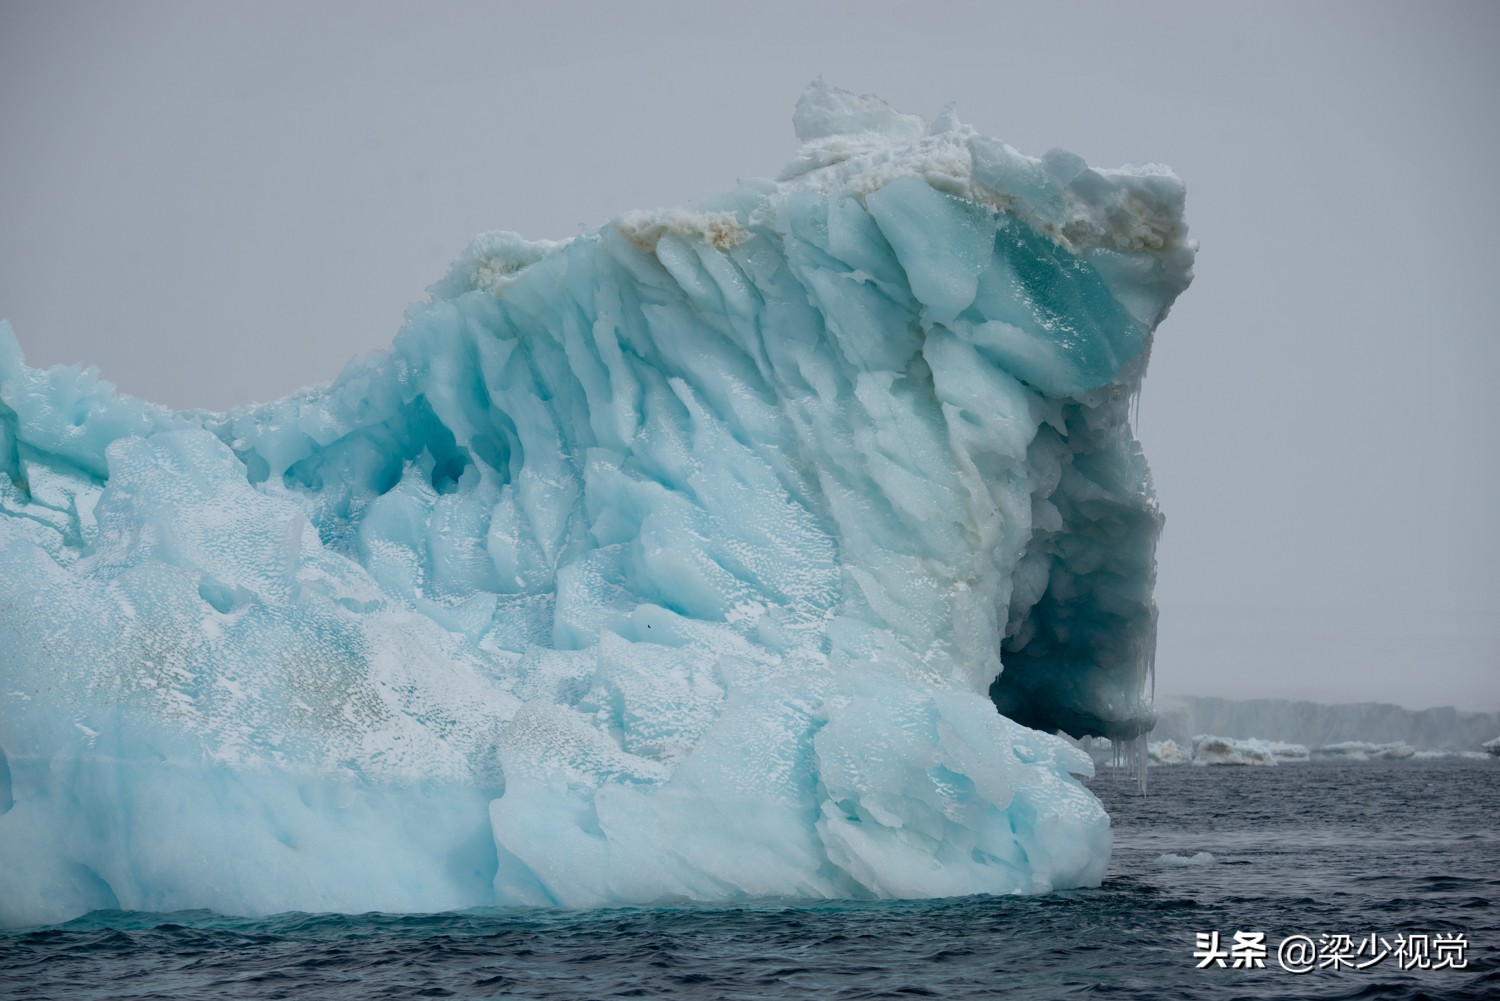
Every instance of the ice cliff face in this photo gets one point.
(679, 560)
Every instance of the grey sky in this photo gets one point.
(218, 203)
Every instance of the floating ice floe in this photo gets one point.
(1165, 752)
(1211, 750)
(1171, 861)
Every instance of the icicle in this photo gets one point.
(1127, 756)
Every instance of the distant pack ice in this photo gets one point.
(688, 559)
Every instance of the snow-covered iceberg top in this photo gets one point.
(687, 559)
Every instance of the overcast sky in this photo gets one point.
(218, 203)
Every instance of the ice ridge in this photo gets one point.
(686, 559)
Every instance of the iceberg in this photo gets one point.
(1211, 750)
(1164, 752)
(754, 549)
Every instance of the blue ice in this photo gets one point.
(753, 549)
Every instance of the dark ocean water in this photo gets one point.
(1406, 851)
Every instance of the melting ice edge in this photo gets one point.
(688, 559)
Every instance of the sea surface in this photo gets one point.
(1407, 852)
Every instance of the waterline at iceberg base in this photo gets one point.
(677, 561)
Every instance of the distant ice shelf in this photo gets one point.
(689, 559)
(1320, 725)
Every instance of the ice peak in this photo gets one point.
(826, 112)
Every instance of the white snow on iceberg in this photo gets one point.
(688, 559)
